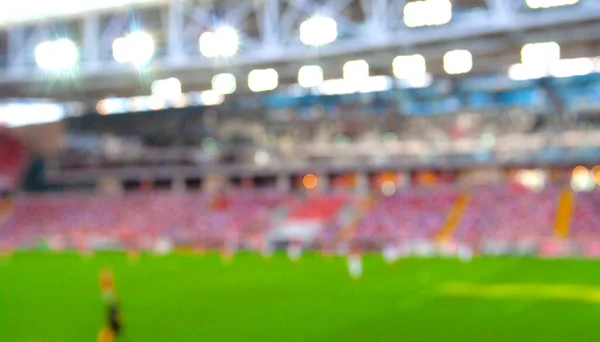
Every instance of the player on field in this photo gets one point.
(107, 285)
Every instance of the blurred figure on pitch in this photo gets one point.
(228, 250)
(355, 264)
(294, 250)
(114, 327)
(107, 285)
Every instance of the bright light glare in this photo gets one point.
(22, 114)
(263, 80)
(168, 89)
(540, 53)
(310, 76)
(261, 158)
(423, 81)
(388, 188)
(458, 62)
(310, 181)
(224, 84)
(522, 72)
(582, 179)
(356, 71)
(111, 106)
(136, 48)
(338, 86)
(534, 180)
(536, 4)
(342, 86)
(572, 67)
(211, 98)
(223, 42)
(318, 31)
(56, 55)
(375, 83)
(427, 13)
(406, 67)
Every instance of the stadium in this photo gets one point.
(299, 170)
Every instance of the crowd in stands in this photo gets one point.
(138, 220)
(509, 214)
(408, 215)
(585, 220)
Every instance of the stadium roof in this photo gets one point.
(493, 31)
(29, 11)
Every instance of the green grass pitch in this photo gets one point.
(56, 297)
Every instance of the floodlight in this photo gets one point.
(136, 48)
(375, 83)
(168, 89)
(406, 67)
(224, 84)
(318, 31)
(537, 4)
(356, 71)
(223, 42)
(540, 53)
(427, 13)
(263, 80)
(522, 72)
(310, 76)
(211, 98)
(56, 55)
(572, 67)
(338, 86)
(458, 62)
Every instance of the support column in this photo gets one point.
(284, 183)
(16, 46)
(91, 35)
(270, 24)
(175, 32)
(362, 183)
(178, 186)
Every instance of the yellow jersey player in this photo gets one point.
(107, 285)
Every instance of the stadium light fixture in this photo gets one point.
(263, 80)
(375, 84)
(572, 67)
(411, 71)
(56, 55)
(310, 181)
(356, 71)
(458, 62)
(406, 67)
(538, 4)
(262, 158)
(224, 84)
(338, 86)
(318, 30)
(522, 72)
(223, 42)
(168, 89)
(211, 98)
(427, 13)
(136, 48)
(536, 54)
(310, 76)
